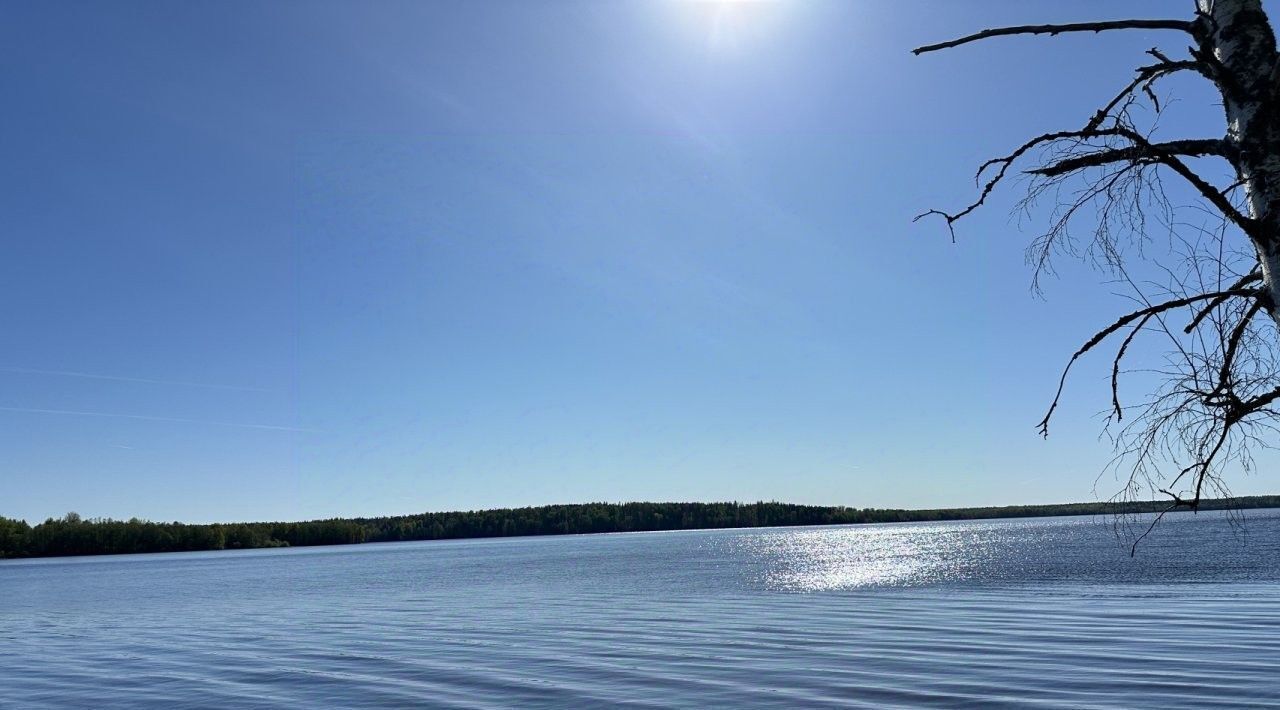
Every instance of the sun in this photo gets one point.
(732, 25)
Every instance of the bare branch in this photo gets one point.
(1243, 281)
(1233, 345)
(1133, 549)
(1004, 164)
(1183, 25)
(1141, 153)
(1101, 335)
(1258, 402)
(1209, 192)
(1146, 77)
(1115, 366)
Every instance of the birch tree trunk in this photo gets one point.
(1238, 44)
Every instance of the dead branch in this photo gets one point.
(1148, 153)
(1043, 426)
(1115, 366)
(1182, 25)
(1004, 163)
(1252, 276)
(1146, 77)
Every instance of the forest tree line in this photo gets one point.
(74, 535)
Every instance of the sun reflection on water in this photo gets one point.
(809, 560)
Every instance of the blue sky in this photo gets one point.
(290, 260)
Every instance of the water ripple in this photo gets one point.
(1029, 613)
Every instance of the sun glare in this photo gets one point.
(731, 25)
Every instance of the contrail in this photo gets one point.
(116, 378)
(145, 417)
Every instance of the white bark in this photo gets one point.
(1238, 36)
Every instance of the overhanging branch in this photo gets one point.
(1214, 195)
(1146, 77)
(1002, 165)
(1224, 387)
(1144, 314)
(1243, 281)
(1182, 25)
(1147, 152)
(1140, 152)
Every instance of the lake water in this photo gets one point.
(1045, 612)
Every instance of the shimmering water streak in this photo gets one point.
(986, 614)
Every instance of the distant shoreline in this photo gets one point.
(73, 535)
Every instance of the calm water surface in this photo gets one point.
(1012, 613)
